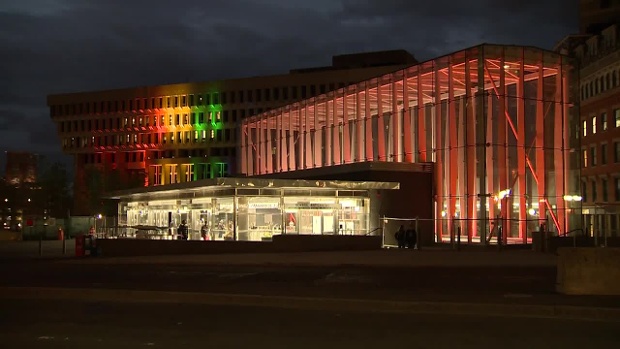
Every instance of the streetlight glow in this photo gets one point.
(572, 198)
(503, 194)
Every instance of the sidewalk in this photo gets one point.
(19, 250)
(380, 258)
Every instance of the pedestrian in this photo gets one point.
(411, 236)
(204, 232)
(182, 231)
(400, 237)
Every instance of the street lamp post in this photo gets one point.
(502, 197)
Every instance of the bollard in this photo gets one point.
(40, 245)
(452, 232)
(458, 239)
(64, 245)
(500, 237)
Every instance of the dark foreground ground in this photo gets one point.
(479, 284)
(78, 324)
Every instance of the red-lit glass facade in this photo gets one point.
(493, 119)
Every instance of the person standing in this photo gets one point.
(182, 231)
(412, 236)
(400, 236)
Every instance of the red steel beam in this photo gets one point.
(527, 159)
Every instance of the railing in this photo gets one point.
(600, 54)
(372, 231)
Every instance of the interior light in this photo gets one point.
(572, 198)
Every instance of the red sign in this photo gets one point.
(29, 222)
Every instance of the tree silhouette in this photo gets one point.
(53, 190)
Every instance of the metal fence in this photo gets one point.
(464, 231)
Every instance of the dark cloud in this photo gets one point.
(55, 46)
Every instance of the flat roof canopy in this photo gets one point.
(206, 185)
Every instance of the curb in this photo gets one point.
(308, 303)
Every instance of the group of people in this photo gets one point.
(406, 238)
(206, 233)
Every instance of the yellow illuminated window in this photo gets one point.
(189, 172)
(157, 173)
(173, 173)
(584, 128)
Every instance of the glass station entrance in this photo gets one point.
(247, 209)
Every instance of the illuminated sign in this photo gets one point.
(314, 206)
(264, 205)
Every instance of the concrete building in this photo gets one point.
(166, 134)
(492, 120)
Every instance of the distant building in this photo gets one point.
(599, 130)
(596, 15)
(20, 196)
(166, 134)
(21, 167)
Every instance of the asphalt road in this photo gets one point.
(46, 324)
(513, 285)
(418, 283)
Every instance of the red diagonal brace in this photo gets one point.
(527, 159)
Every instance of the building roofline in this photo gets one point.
(252, 183)
(558, 45)
(422, 63)
(166, 85)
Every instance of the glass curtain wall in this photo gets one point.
(494, 120)
(248, 218)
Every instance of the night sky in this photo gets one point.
(56, 46)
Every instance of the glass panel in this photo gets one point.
(353, 216)
(264, 217)
(310, 215)
(223, 219)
